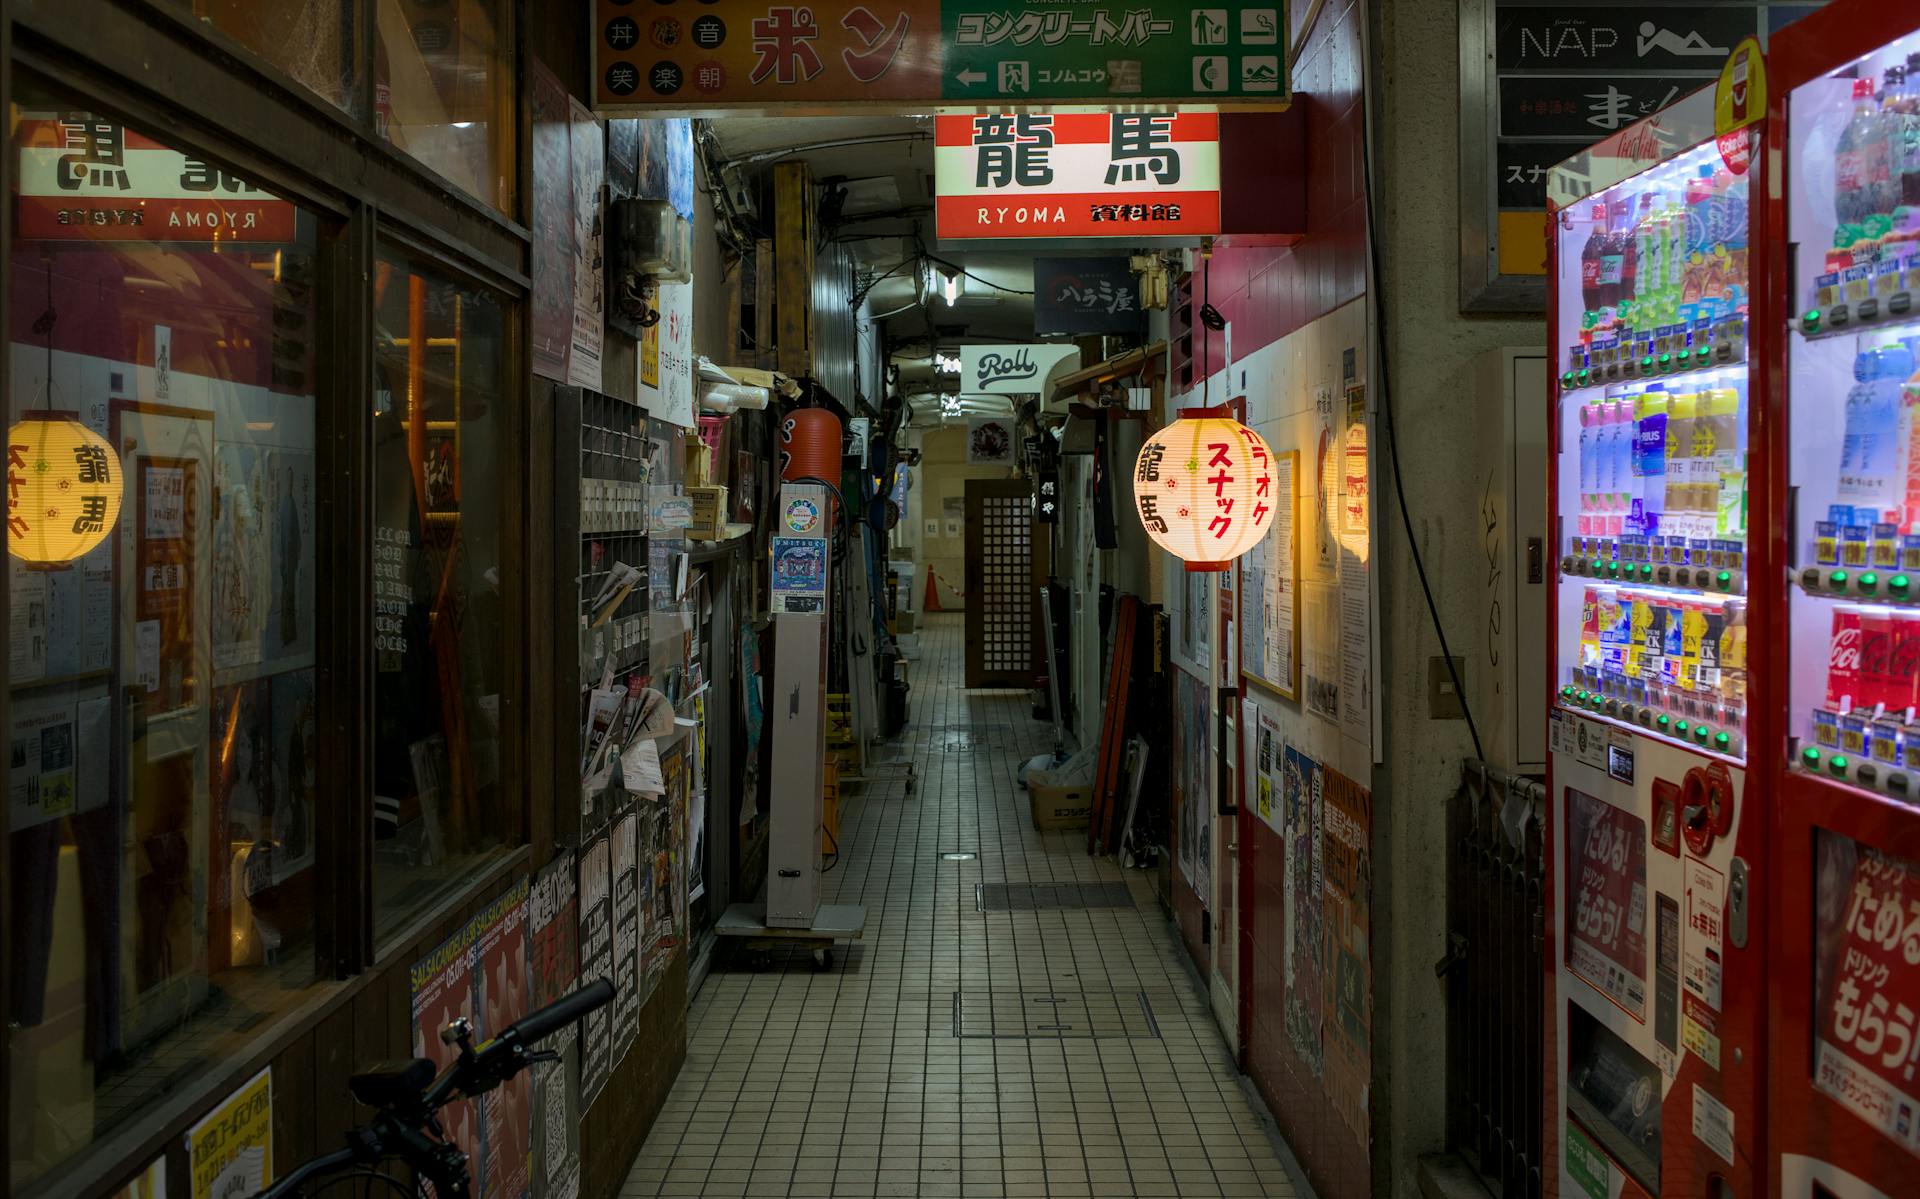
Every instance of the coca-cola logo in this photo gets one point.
(1888, 655)
(1844, 652)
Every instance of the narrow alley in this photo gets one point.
(1054, 1045)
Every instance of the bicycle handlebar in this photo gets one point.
(396, 1129)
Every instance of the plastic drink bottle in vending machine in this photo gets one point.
(1863, 183)
(1593, 289)
(1844, 686)
(1589, 467)
(1650, 411)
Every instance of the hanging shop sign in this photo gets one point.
(1203, 488)
(84, 178)
(1118, 175)
(1010, 370)
(748, 53)
(1086, 295)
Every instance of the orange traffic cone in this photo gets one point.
(933, 593)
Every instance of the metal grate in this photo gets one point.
(1495, 972)
(1053, 1015)
(1038, 897)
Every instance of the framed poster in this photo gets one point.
(1270, 590)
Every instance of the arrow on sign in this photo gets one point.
(969, 78)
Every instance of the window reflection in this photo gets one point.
(317, 42)
(439, 650)
(161, 720)
(442, 90)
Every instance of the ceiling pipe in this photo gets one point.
(877, 139)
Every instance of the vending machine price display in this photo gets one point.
(1853, 381)
(1652, 307)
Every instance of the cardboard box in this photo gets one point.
(709, 513)
(1056, 808)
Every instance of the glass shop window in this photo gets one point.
(160, 675)
(439, 647)
(443, 90)
(317, 42)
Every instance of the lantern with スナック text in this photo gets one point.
(63, 489)
(1203, 488)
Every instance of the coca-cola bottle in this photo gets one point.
(1844, 686)
(1592, 292)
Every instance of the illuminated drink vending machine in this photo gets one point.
(1842, 365)
(1655, 986)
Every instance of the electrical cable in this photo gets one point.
(1012, 291)
(1393, 438)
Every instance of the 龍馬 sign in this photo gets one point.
(86, 178)
(1078, 175)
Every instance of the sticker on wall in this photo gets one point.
(802, 515)
(989, 442)
(230, 1150)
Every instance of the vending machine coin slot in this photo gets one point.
(1737, 904)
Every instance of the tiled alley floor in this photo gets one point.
(1061, 1052)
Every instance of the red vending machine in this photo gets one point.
(1656, 988)
(1842, 380)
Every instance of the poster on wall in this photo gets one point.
(1320, 640)
(553, 950)
(1302, 800)
(587, 151)
(553, 226)
(1270, 753)
(1347, 978)
(230, 1149)
(626, 933)
(500, 973)
(1270, 590)
(1867, 984)
(262, 554)
(1196, 801)
(666, 359)
(480, 972)
(596, 962)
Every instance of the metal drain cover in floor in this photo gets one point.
(1037, 897)
(1040, 1015)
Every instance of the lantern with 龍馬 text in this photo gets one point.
(63, 489)
(1203, 488)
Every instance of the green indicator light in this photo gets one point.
(1665, 358)
(1897, 583)
(1664, 721)
(1700, 733)
(1837, 580)
(1680, 727)
(1613, 567)
(1837, 764)
(1869, 581)
(1722, 740)
(1810, 755)
(1724, 579)
(1812, 318)
(1646, 568)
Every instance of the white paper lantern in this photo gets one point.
(1203, 488)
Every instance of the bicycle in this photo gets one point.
(407, 1095)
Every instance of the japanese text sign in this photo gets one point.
(85, 178)
(1606, 872)
(1867, 986)
(1122, 175)
(1086, 295)
(230, 1149)
(729, 53)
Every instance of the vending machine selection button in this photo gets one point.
(1900, 303)
(1837, 580)
(1810, 321)
(1869, 309)
(1837, 766)
(1869, 583)
(1723, 580)
(1811, 757)
(1898, 585)
(1664, 721)
(1810, 578)
(1722, 741)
